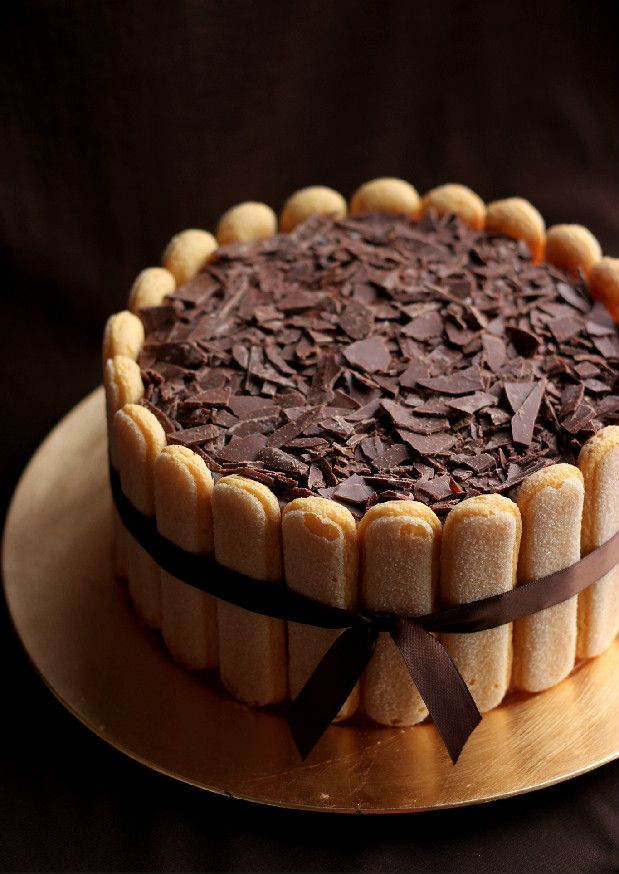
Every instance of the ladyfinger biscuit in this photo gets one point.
(517, 218)
(572, 248)
(183, 487)
(123, 335)
(320, 561)
(138, 438)
(245, 222)
(459, 200)
(598, 606)
(479, 557)
(247, 533)
(315, 200)
(604, 284)
(386, 195)
(187, 253)
(123, 385)
(150, 288)
(550, 503)
(400, 551)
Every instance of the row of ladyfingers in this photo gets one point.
(398, 558)
(570, 247)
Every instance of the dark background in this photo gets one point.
(124, 122)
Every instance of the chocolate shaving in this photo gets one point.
(517, 393)
(194, 436)
(356, 320)
(288, 432)
(525, 342)
(433, 444)
(579, 419)
(243, 448)
(458, 383)
(280, 460)
(369, 355)
(523, 420)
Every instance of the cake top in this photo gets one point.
(376, 357)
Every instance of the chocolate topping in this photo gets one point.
(375, 358)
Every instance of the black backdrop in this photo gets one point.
(122, 123)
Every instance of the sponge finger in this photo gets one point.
(320, 561)
(123, 335)
(517, 218)
(479, 557)
(123, 385)
(138, 438)
(400, 549)
(604, 283)
(550, 503)
(245, 222)
(598, 606)
(150, 288)
(252, 648)
(315, 200)
(459, 200)
(183, 487)
(187, 253)
(386, 195)
(572, 248)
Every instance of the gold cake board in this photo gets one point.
(113, 674)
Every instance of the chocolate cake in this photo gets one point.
(396, 408)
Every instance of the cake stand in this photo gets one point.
(78, 628)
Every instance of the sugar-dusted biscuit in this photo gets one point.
(479, 557)
(604, 284)
(123, 385)
(517, 218)
(150, 287)
(138, 438)
(123, 335)
(320, 561)
(187, 252)
(247, 533)
(183, 487)
(245, 222)
(598, 606)
(386, 195)
(399, 552)
(550, 503)
(572, 248)
(315, 200)
(459, 200)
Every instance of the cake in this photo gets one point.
(405, 404)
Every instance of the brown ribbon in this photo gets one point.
(435, 675)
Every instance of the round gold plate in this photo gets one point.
(114, 675)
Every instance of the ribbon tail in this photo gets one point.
(330, 684)
(439, 683)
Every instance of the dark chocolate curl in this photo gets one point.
(440, 684)
(332, 681)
